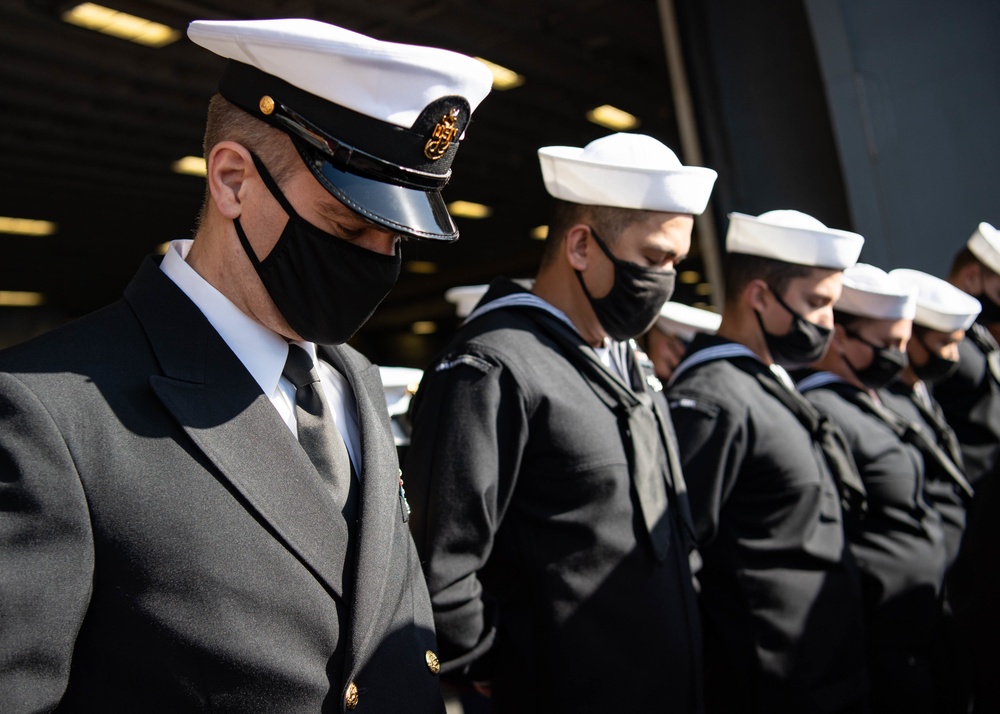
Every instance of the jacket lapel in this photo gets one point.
(220, 407)
(380, 506)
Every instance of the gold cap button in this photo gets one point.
(351, 697)
(266, 105)
(433, 663)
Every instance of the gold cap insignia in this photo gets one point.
(266, 105)
(444, 133)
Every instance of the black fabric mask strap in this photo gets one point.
(272, 186)
(247, 248)
(784, 304)
(603, 246)
(862, 340)
(859, 338)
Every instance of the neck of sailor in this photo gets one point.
(557, 282)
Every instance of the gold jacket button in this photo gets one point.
(433, 663)
(351, 697)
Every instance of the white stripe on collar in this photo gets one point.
(817, 380)
(730, 350)
(616, 351)
(520, 299)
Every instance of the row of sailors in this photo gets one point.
(826, 488)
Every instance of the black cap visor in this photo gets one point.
(408, 211)
(386, 173)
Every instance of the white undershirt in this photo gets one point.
(263, 352)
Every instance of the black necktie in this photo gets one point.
(930, 410)
(912, 434)
(318, 431)
(829, 437)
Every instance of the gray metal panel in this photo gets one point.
(914, 93)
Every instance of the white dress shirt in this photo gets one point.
(264, 352)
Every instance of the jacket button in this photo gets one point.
(351, 696)
(433, 663)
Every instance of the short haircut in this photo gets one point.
(227, 122)
(609, 222)
(964, 258)
(741, 268)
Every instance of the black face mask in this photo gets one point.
(324, 287)
(634, 302)
(937, 368)
(885, 367)
(990, 314)
(803, 344)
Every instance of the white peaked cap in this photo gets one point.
(465, 298)
(377, 123)
(985, 245)
(940, 305)
(626, 171)
(792, 237)
(384, 80)
(685, 321)
(872, 292)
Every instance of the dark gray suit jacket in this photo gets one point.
(166, 544)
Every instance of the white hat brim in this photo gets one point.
(814, 247)
(985, 245)
(940, 305)
(569, 177)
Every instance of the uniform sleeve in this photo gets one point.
(469, 430)
(46, 554)
(712, 448)
(959, 393)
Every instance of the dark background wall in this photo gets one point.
(914, 92)
(764, 116)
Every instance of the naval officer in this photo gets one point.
(200, 493)
(780, 591)
(898, 541)
(548, 505)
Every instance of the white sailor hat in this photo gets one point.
(985, 245)
(377, 123)
(685, 321)
(872, 292)
(940, 305)
(792, 237)
(465, 298)
(626, 171)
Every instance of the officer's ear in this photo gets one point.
(576, 246)
(228, 166)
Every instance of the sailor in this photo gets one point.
(944, 314)
(898, 541)
(668, 339)
(970, 397)
(780, 591)
(548, 505)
